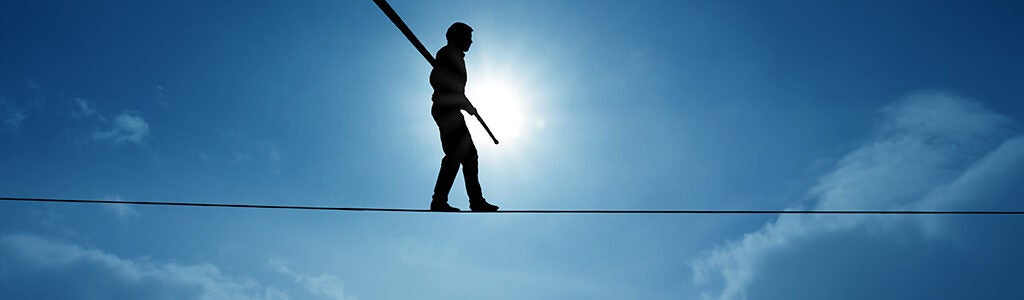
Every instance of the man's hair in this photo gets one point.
(457, 31)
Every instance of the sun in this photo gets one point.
(501, 105)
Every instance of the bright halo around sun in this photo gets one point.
(502, 106)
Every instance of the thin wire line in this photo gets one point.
(533, 211)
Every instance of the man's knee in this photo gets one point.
(470, 160)
(449, 160)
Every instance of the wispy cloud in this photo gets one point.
(160, 97)
(325, 285)
(237, 148)
(105, 275)
(85, 108)
(124, 212)
(11, 116)
(127, 127)
(928, 142)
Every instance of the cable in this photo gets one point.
(535, 211)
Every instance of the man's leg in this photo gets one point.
(445, 178)
(451, 142)
(470, 172)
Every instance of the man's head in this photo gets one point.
(460, 36)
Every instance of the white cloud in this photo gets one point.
(269, 151)
(84, 108)
(980, 186)
(127, 127)
(929, 146)
(124, 212)
(11, 116)
(108, 275)
(945, 117)
(326, 285)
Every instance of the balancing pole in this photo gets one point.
(390, 12)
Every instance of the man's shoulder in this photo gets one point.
(448, 51)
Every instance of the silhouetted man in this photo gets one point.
(448, 78)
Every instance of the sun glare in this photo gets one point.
(504, 91)
(501, 106)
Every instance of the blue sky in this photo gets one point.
(599, 105)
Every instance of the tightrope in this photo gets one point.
(529, 211)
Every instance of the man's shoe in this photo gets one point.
(443, 206)
(483, 206)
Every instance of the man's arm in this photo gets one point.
(448, 79)
(456, 100)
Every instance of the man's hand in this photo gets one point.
(471, 110)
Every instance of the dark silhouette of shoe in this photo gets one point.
(443, 206)
(483, 206)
